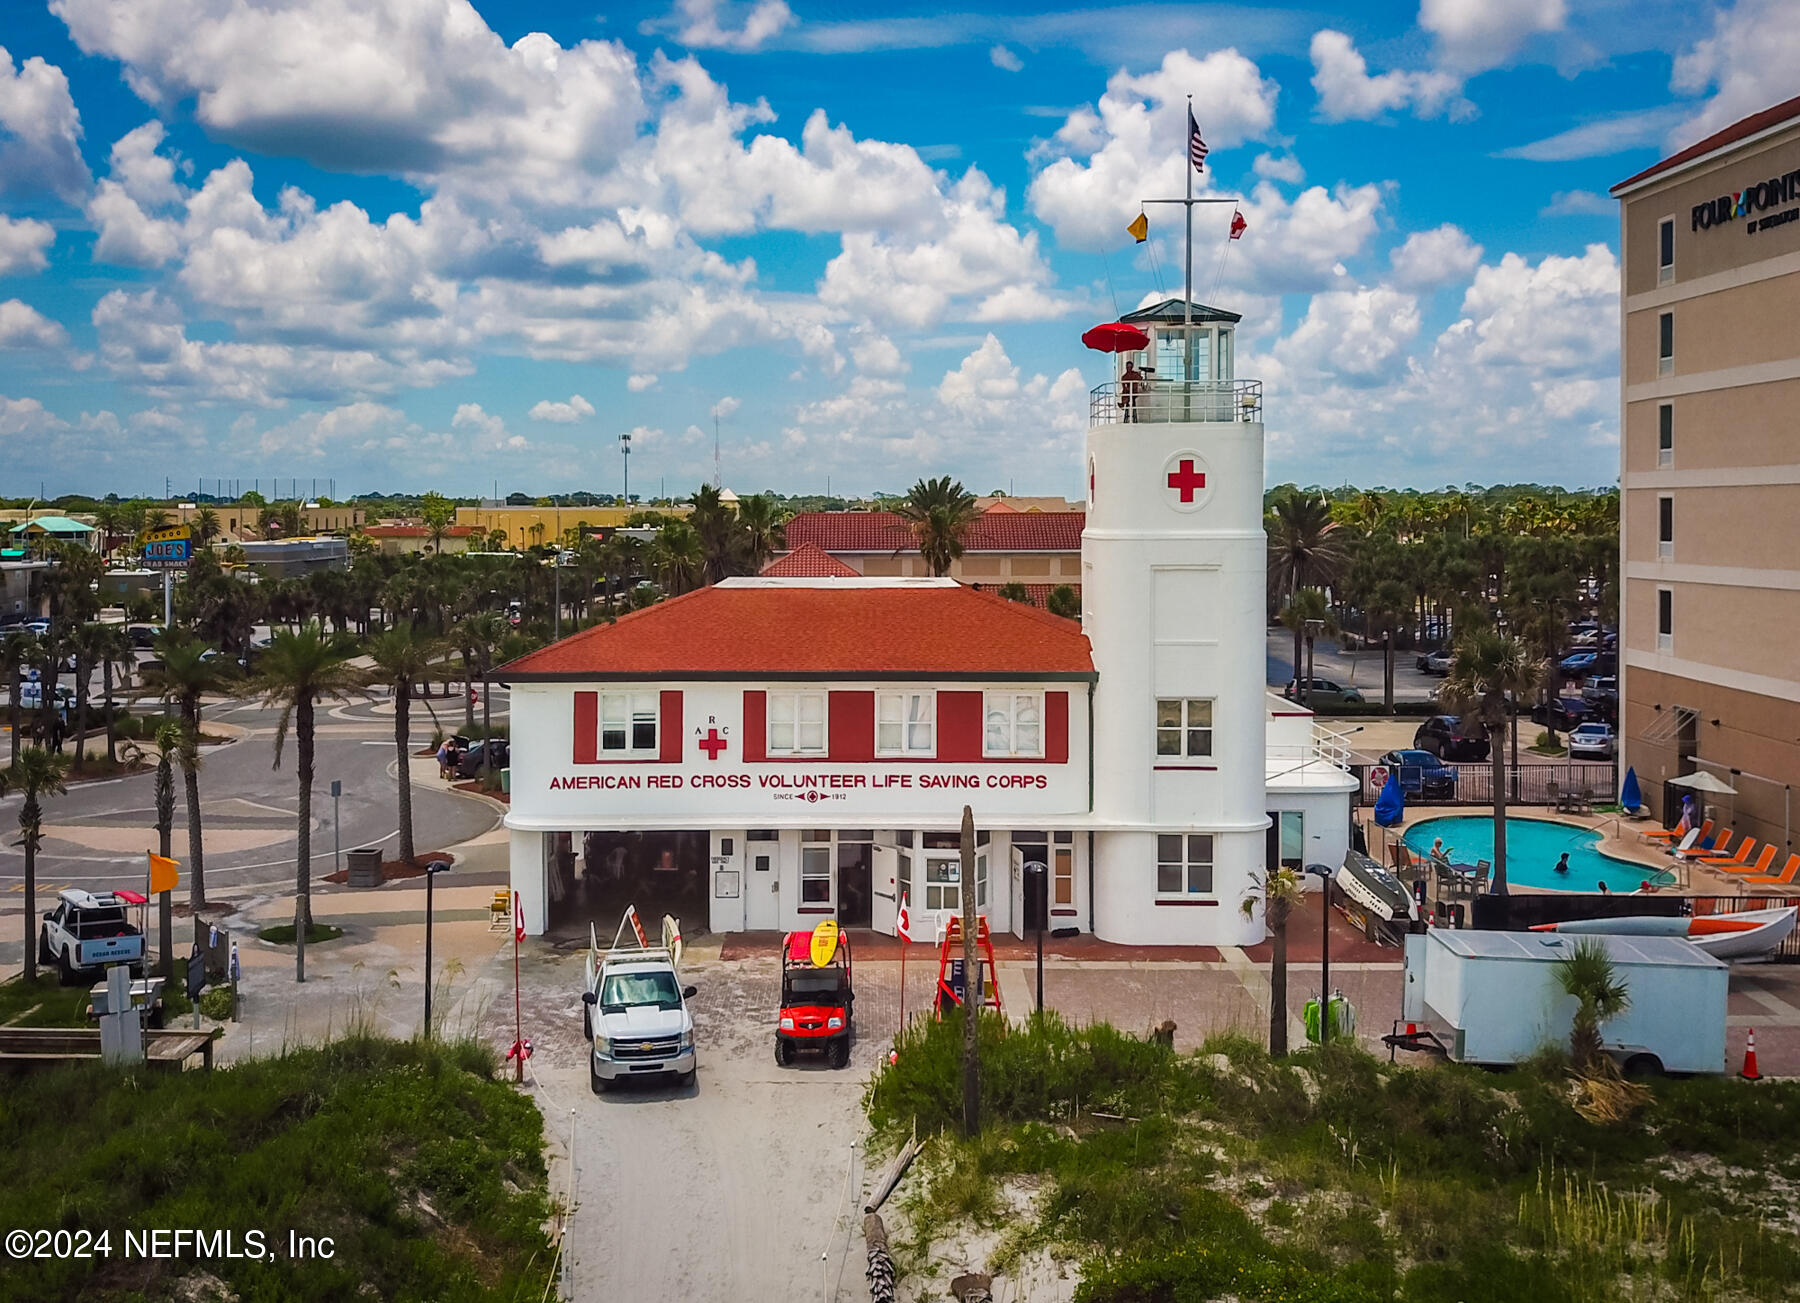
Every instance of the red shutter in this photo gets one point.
(959, 725)
(669, 724)
(851, 719)
(1056, 727)
(756, 726)
(587, 728)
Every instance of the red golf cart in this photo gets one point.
(816, 998)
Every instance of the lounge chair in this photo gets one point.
(1716, 849)
(1672, 836)
(1686, 845)
(1737, 867)
(1783, 879)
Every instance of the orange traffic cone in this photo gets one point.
(1750, 1073)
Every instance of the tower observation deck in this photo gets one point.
(1182, 374)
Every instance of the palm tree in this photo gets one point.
(762, 529)
(404, 658)
(1282, 890)
(939, 513)
(87, 643)
(206, 526)
(18, 650)
(716, 525)
(1304, 609)
(114, 651)
(1064, 602)
(678, 557)
(190, 670)
(36, 773)
(485, 633)
(1488, 670)
(298, 670)
(172, 741)
(498, 541)
(1305, 551)
(1588, 974)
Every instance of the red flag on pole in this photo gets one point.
(1238, 224)
(518, 917)
(903, 920)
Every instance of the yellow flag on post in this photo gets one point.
(1140, 228)
(165, 873)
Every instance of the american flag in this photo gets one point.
(1197, 150)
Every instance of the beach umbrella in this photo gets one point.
(1704, 782)
(1629, 795)
(1390, 806)
(1116, 337)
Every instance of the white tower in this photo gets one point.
(1174, 565)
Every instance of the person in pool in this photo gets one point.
(1562, 865)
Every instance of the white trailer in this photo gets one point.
(1493, 998)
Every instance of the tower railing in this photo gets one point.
(1161, 401)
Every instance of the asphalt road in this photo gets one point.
(1359, 669)
(95, 836)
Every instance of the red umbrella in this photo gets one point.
(1116, 337)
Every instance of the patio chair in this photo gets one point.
(1671, 836)
(1739, 867)
(1482, 870)
(1783, 879)
(1553, 794)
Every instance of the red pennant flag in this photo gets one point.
(518, 917)
(1238, 224)
(903, 920)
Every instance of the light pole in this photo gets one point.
(1036, 880)
(431, 871)
(1325, 875)
(625, 449)
(1313, 629)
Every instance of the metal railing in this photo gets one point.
(1161, 401)
(1525, 784)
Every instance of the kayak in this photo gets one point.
(1751, 934)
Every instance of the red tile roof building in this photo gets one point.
(1040, 549)
(808, 561)
(757, 628)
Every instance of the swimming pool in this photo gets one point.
(1532, 848)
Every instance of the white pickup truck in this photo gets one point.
(635, 1015)
(88, 931)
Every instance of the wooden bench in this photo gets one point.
(168, 1046)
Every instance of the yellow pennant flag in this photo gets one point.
(1140, 228)
(165, 873)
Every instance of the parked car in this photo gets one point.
(1324, 693)
(31, 696)
(143, 636)
(40, 627)
(1592, 739)
(1599, 687)
(476, 756)
(1444, 736)
(87, 931)
(1564, 713)
(1439, 661)
(1424, 655)
(1578, 664)
(1422, 775)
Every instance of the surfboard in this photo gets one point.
(824, 942)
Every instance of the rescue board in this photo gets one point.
(824, 942)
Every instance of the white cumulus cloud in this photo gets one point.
(23, 326)
(1347, 91)
(1747, 63)
(699, 25)
(1003, 58)
(562, 413)
(640, 382)
(23, 245)
(40, 130)
(1475, 35)
(1436, 257)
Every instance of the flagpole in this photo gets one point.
(1187, 297)
(518, 1014)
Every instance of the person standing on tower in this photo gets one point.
(1131, 385)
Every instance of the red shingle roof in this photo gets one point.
(751, 630)
(1769, 117)
(883, 531)
(808, 561)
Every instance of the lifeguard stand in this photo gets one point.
(952, 982)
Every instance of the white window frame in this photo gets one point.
(1665, 362)
(944, 894)
(912, 717)
(1665, 638)
(1002, 710)
(791, 705)
(1062, 874)
(1187, 734)
(625, 711)
(812, 854)
(1665, 271)
(1198, 853)
(1665, 419)
(1665, 547)
(981, 880)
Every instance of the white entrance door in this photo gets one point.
(940, 893)
(886, 887)
(762, 885)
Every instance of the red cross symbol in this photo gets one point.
(1187, 479)
(712, 744)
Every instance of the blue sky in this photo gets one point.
(422, 243)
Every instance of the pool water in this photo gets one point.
(1532, 848)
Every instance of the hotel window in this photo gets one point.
(1184, 727)
(628, 723)
(1665, 344)
(1665, 251)
(1184, 864)
(815, 868)
(1015, 724)
(796, 723)
(1665, 435)
(1665, 620)
(905, 723)
(1665, 527)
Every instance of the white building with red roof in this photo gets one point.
(772, 751)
